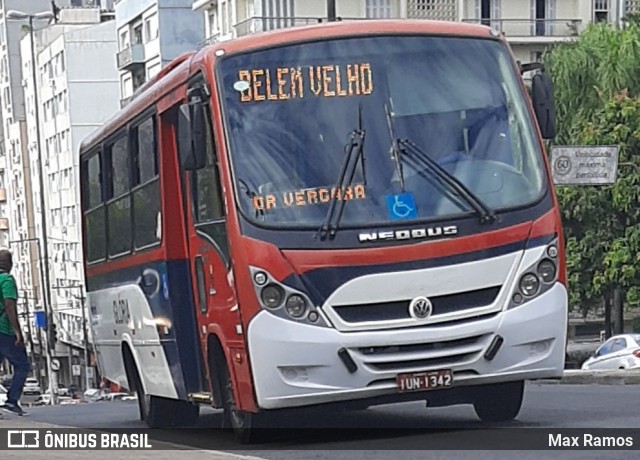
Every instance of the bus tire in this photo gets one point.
(499, 402)
(155, 411)
(246, 426)
(187, 414)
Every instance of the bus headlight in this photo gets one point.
(547, 270)
(529, 284)
(272, 296)
(284, 301)
(296, 306)
(538, 277)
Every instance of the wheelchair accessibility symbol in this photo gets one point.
(402, 206)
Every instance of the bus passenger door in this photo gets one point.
(208, 244)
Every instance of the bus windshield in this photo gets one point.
(296, 115)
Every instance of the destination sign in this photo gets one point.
(286, 83)
(586, 165)
(310, 196)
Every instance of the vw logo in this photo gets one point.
(420, 308)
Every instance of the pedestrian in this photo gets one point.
(11, 341)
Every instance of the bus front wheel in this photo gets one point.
(245, 425)
(499, 402)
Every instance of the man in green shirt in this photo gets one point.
(11, 341)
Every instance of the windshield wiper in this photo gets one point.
(354, 151)
(413, 152)
(395, 150)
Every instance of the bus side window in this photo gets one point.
(94, 209)
(147, 212)
(119, 225)
(207, 197)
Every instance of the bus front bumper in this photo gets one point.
(298, 365)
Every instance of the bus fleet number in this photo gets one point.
(121, 313)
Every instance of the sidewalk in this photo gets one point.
(15, 422)
(579, 377)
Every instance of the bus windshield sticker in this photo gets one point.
(309, 196)
(285, 83)
(402, 207)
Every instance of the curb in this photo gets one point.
(579, 377)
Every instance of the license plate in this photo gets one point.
(421, 381)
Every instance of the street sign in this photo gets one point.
(584, 165)
(41, 319)
(55, 365)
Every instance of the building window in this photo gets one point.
(151, 28)
(124, 39)
(7, 97)
(153, 70)
(212, 22)
(137, 34)
(225, 13)
(378, 9)
(601, 11)
(127, 85)
(138, 79)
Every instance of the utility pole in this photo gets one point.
(86, 337)
(27, 314)
(331, 10)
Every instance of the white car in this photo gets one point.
(31, 387)
(45, 400)
(619, 352)
(3, 395)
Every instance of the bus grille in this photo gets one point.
(442, 305)
(421, 356)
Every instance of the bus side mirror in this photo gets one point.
(544, 104)
(192, 137)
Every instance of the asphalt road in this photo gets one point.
(385, 429)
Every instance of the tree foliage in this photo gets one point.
(597, 89)
(601, 63)
(602, 224)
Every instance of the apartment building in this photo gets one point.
(142, 49)
(17, 230)
(529, 25)
(78, 89)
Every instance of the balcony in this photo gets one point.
(131, 57)
(209, 41)
(3, 195)
(4, 223)
(524, 31)
(260, 24)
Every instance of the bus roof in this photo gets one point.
(178, 71)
